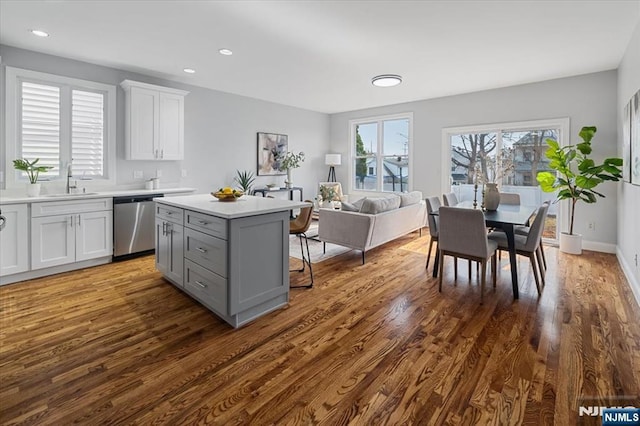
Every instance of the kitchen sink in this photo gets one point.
(78, 194)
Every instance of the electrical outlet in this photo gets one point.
(184, 172)
(592, 226)
(138, 174)
(158, 173)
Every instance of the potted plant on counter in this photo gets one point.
(245, 180)
(576, 179)
(33, 171)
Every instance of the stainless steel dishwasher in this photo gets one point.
(133, 226)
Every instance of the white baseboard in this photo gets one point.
(601, 247)
(628, 272)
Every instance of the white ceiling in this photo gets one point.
(321, 55)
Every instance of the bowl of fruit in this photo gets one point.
(227, 194)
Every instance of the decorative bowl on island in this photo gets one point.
(227, 194)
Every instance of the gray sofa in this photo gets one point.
(376, 221)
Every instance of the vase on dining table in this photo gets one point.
(491, 197)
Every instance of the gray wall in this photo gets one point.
(628, 194)
(220, 129)
(587, 100)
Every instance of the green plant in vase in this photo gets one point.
(576, 179)
(33, 170)
(245, 180)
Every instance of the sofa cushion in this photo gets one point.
(410, 198)
(379, 205)
(348, 207)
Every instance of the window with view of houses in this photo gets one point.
(380, 153)
(511, 158)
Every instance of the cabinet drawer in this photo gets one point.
(207, 287)
(208, 224)
(207, 251)
(173, 214)
(51, 208)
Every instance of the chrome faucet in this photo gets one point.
(69, 176)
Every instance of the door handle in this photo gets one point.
(70, 220)
(79, 220)
(164, 228)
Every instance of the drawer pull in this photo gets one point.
(202, 222)
(201, 250)
(200, 284)
(169, 213)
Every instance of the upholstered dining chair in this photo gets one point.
(510, 198)
(299, 227)
(450, 199)
(528, 245)
(524, 230)
(433, 204)
(462, 233)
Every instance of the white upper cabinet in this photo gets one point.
(154, 121)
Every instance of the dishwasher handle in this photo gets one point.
(135, 198)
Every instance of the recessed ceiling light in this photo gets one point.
(39, 33)
(189, 70)
(386, 80)
(226, 52)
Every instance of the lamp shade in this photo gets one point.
(332, 159)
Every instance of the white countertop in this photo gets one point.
(102, 194)
(247, 205)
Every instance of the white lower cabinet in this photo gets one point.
(14, 239)
(74, 233)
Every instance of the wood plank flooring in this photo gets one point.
(369, 344)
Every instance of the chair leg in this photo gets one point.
(305, 260)
(541, 268)
(440, 267)
(544, 259)
(483, 280)
(469, 270)
(494, 268)
(455, 268)
(429, 253)
(535, 273)
(363, 257)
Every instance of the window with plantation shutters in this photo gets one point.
(61, 121)
(40, 125)
(87, 133)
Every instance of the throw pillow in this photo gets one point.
(379, 205)
(348, 207)
(358, 204)
(410, 198)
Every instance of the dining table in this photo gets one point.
(506, 218)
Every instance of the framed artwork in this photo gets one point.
(635, 139)
(272, 148)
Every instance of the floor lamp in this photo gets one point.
(332, 160)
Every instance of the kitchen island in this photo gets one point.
(233, 257)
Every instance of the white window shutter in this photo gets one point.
(87, 133)
(40, 130)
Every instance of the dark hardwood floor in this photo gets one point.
(369, 344)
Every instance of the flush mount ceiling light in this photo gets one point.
(39, 33)
(189, 70)
(386, 80)
(225, 52)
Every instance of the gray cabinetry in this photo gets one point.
(237, 267)
(170, 243)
